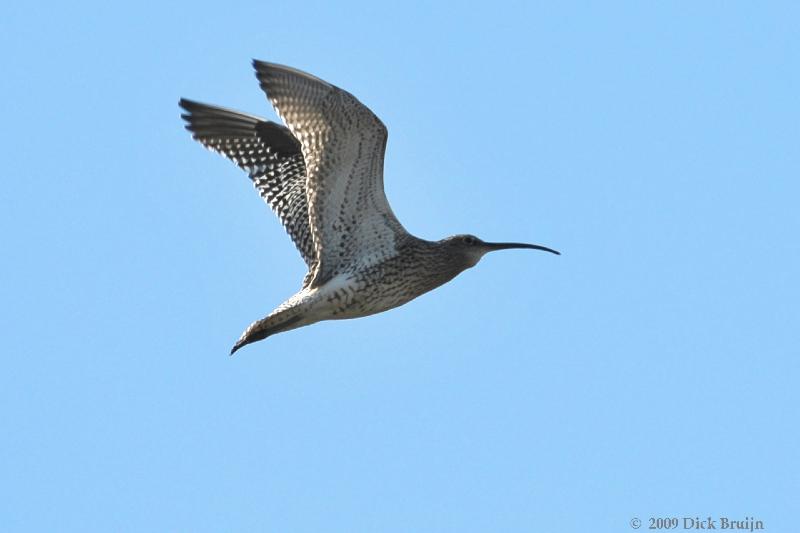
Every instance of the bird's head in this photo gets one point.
(470, 249)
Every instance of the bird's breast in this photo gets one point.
(367, 289)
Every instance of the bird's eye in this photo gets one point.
(469, 240)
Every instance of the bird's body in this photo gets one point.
(323, 177)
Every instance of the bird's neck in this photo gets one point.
(434, 266)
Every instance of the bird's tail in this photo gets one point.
(277, 322)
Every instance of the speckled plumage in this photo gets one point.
(322, 174)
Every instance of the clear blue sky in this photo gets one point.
(651, 370)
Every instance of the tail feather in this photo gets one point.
(261, 329)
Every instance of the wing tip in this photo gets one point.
(188, 105)
(266, 70)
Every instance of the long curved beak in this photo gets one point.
(494, 246)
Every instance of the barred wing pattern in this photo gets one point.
(269, 154)
(343, 144)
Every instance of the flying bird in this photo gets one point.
(322, 175)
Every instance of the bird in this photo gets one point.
(322, 175)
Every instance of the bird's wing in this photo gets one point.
(343, 144)
(269, 154)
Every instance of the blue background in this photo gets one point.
(651, 370)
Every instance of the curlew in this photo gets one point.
(322, 175)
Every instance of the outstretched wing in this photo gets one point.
(269, 154)
(343, 144)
